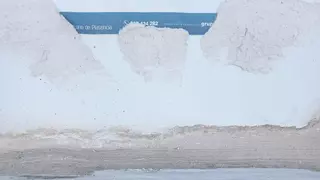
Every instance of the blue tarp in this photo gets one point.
(112, 22)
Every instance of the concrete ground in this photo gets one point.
(216, 174)
(196, 147)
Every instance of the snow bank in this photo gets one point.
(42, 62)
(50, 79)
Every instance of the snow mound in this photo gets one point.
(39, 39)
(254, 33)
(148, 49)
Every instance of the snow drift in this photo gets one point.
(259, 64)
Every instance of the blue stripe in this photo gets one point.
(112, 22)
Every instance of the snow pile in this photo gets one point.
(42, 40)
(254, 33)
(43, 64)
(49, 79)
(148, 49)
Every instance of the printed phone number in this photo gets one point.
(146, 23)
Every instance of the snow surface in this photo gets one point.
(154, 51)
(50, 79)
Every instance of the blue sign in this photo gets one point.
(113, 22)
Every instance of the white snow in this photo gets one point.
(255, 36)
(154, 51)
(50, 79)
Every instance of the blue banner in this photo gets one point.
(113, 22)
